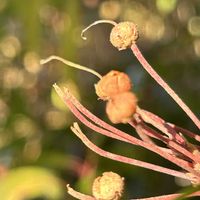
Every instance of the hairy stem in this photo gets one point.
(181, 163)
(164, 85)
(169, 197)
(123, 159)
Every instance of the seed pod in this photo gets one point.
(121, 107)
(123, 35)
(113, 83)
(108, 187)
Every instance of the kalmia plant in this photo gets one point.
(121, 107)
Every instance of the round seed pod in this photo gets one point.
(113, 83)
(123, 35)
(121, 107)
(109, 186)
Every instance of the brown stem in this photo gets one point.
(164, 85)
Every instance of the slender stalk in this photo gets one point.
(78, 195)
(142, 128)
(71, 64)
(169, 197)
(185, 132)
(124, 159)
(95, 23)
(160, 124)
(181, 163)
(164, 85)
(150, 132)
(66, 98)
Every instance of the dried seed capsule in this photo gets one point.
(113, 83)
(121, 107)
(108, 187)
(123, 35)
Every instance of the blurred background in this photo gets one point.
(39, 154)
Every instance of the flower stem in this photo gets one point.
(169, 197)
(95, 23)
(66, 97)
(75, 128)
(71, 64)
(164, 85)
(78, 195)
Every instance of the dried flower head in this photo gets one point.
(109, 186)
(120, 108)
(111, 84)
(123, 35)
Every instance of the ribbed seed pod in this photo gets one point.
(111, 84)
(123, 35)
(109, 186)
(121, 107)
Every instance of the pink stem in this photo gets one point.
(78, 195)
(160, 124)
(148, 131)
(168, 197)
(127, 138)
(66, 97)
(164, 85)
(185, 132)
(123, 159)
(94, 127)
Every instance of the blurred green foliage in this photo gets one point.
(34, 124)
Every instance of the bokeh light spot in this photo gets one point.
(31, 62)
(154, 28)
(12, 77)
(194, 26)
(55, 119)
(166, 7)
(91, 3)
(185, 10)
(24, 126)
(10, 46)
(110, 10)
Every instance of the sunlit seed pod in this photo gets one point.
(113, 83)
(123, 35)
(109, 186)
(121, 107)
